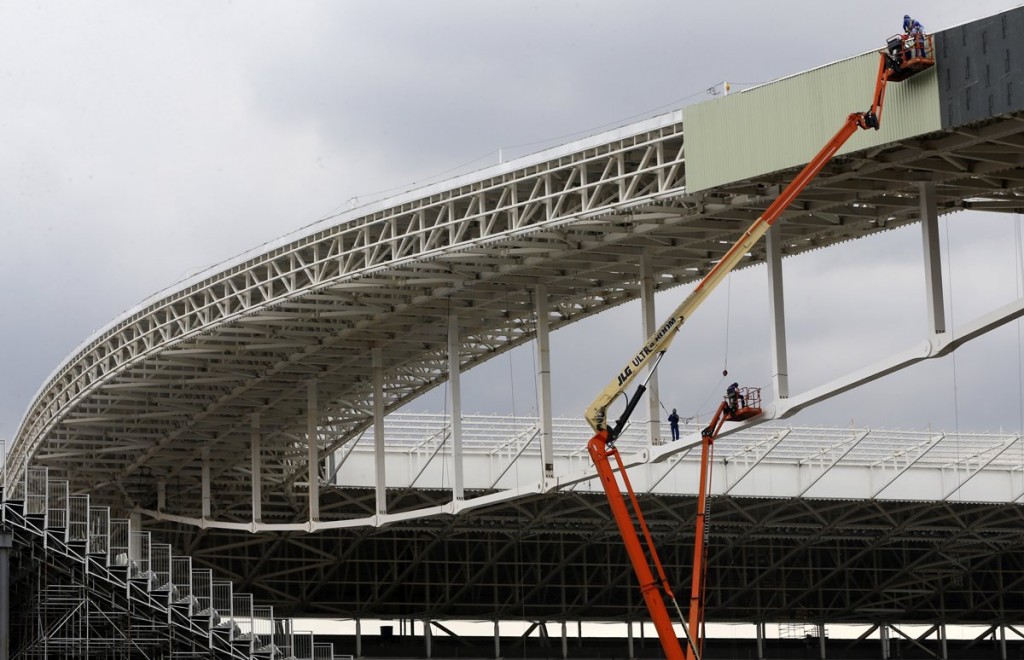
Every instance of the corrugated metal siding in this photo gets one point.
(784, 123)
(980, 68)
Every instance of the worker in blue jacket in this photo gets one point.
(915, 32)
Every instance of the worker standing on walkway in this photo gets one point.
(673, 422)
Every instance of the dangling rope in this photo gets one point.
(728, 313)
(520, 511)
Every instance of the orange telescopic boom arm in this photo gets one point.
(899, 61)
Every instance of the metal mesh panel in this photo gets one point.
(140, 554)
(283, 636)
(35, 491)
(202, 589)
(120, 535)
(78, 519)
(323, 651)
(263, 628)
(241, 610)
(57, 504)
(302, 646)
(160, 565)
(181, 579)
(222, 599)
(99, 530)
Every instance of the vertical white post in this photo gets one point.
(1002, 641)
(359, 638)
(647, 305)
(565, 640)
(629, 640)
(760, 640)
(426, 637)
(932, 257)
(497, 641)
(378, 428)
(942, 639)
(883, 631)
(257, 468)
(455, 400)
(205, 476)
(6, 543)
(821, 640)
(313, 448)
(776, 303)
(547, 447)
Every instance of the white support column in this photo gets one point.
(497, 641)
(547, 447)
(455, 401)
(647, 305)
(1002, 641)
(760, 640)
(565, 640)
(359, 638)
(776, 305)
(821, 640)
(942, 640)
(629, 639)
(257, 468)
(378, 428)
(932, 257)
(426, 638)
(205, 476)
(313, 448)
(883, 634)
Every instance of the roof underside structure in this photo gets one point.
(168, 392)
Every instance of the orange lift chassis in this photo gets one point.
(901, 59)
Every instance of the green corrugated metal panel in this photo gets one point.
(784, 123)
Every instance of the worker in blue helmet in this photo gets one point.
(915, 33)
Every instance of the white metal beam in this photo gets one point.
(380, 482)
(932, 257)
(313, 448)
(648, 328)
(455, 401)
(776, 306)
(544, 380)
(257, 468)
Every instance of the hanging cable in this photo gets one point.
(728, 313)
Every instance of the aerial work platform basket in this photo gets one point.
(749, 404)
(907, 54)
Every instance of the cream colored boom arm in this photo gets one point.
(659, 342)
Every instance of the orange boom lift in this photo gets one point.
(901, 59)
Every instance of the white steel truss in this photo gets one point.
(164, 393)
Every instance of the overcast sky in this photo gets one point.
(144, 141)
